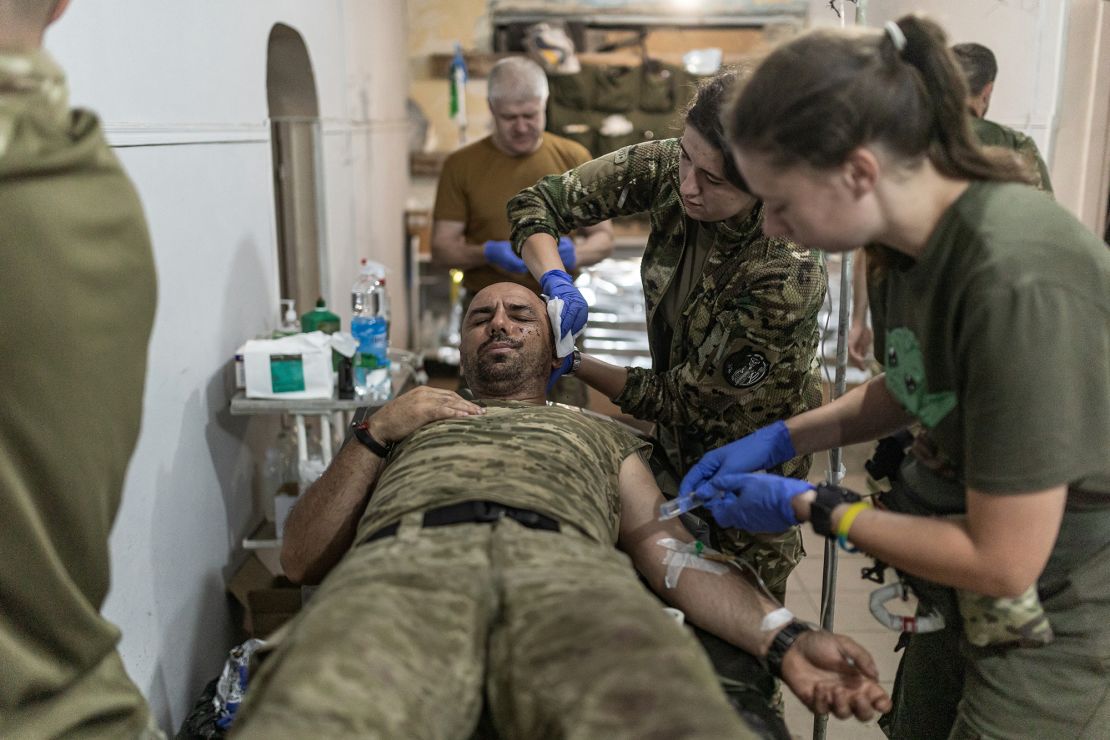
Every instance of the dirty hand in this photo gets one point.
(566, 308)
(754, 502)
(500, 254)
(408, 412)
(567, 253)
(833, 674)
(761, 450)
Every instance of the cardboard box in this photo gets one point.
(268, 599)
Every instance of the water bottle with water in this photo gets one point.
(370, 327)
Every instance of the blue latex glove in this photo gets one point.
(559, 372)
(566, 308)
(567, 253)
(756, 502)
(500, 254)
(762, 449)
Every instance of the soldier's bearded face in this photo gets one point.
(506, 341)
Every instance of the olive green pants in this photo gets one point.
(946, 688)
(409, 633)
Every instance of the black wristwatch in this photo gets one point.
(782, 642)
(361, 430)
(828, 498)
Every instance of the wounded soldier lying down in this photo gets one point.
(468, 549)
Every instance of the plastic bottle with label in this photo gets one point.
(320, 319)
(370, 327)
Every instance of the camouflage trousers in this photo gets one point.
(101, 703)
(772, 556)
(408, 633)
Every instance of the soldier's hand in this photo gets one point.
(833, 674)
(408, 412)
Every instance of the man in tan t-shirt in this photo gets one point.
(471, 229)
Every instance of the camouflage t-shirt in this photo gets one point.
(550, 459)
(739, 352)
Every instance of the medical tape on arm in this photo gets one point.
(682, 555)
(778, 618)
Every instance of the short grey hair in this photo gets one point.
(516, 79)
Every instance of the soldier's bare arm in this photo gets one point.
(865, 413)
(450, 248)
(322, 526)
(726, 605)
(829, 673)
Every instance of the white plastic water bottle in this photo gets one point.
(370, 326)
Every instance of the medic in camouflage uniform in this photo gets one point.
(732, 315)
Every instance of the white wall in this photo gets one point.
(1025, 36)
(182, 91)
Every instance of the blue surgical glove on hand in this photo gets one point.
(565, 307)
(559, 372)
(567, 253)
(500, 254)
(761, 450)
(756, 502)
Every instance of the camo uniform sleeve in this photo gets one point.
(752, 349)
(1031, 156)
(620, 183)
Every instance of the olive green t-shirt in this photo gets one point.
(77, 297)
(477, 183)
(550, 459)
(998, 342)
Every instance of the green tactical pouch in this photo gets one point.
(572, 91)
(657, 88)
(1020, 622)
(615, 88)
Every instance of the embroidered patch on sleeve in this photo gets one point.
(746, 368)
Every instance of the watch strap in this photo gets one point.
(828, 498)
(361, 432)
(782, 642)
(575, 362)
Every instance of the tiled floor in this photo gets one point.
(852, 615)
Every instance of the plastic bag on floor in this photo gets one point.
(214, 712)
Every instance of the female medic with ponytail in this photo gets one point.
(997, 349)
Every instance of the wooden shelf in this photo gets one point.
(478, 63)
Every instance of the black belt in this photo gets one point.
(469, 512)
